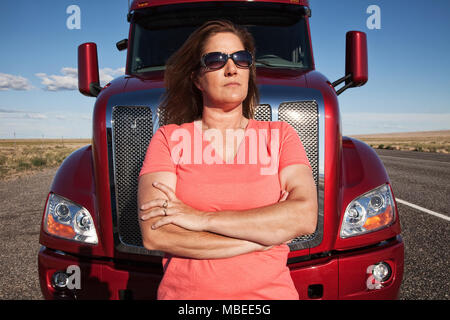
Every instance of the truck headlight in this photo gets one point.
(372, 211)
(66, 219)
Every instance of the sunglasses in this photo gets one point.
(217, 60)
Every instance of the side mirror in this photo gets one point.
(356, 61)
(88, 78)
(122, 45)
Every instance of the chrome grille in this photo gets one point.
(132, 131)
(303, 116)
(162, 116)
(263, 112)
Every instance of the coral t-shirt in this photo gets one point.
(207, 182)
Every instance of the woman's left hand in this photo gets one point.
(173, 211)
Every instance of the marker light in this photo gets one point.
(65, 219)
(60, 280)
(381, 272)
(372, 211)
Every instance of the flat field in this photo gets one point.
(23, 156)
(425, 141)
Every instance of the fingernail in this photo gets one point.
(155, 183)
(153, 227)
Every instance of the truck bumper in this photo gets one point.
(348, 275)
(344, 275)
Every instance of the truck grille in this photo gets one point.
(303, 116)
(132, 130)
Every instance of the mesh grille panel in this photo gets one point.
(263, 112)
(303, 116)
(132, 130)
(162, 116)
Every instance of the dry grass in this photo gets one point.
(426, 141)
(24, 156)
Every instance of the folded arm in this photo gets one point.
(179, 241)
(268, 225)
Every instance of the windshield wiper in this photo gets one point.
(264, 63)
(148, 67)
(280, 65)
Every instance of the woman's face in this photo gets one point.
(227, 87)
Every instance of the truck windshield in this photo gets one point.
(281, 35)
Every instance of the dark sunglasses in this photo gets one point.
(217, 60)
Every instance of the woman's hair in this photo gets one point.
(183, 101)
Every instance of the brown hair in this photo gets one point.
(183, 101)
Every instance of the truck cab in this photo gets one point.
(90, 217)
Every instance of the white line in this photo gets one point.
(439, 215)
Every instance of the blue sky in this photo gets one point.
(408, 87)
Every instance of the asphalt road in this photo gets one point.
(422, 179)
(419, 178)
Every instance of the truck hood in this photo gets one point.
(270, 76)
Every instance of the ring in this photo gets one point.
(165, 212)
(165, 204)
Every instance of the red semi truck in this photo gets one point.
(90, 236)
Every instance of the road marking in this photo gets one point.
(439, 215)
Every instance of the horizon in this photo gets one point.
(350, 135)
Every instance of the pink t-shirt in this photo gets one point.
(206, 182)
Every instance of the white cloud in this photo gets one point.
(108, 74)
(69, 78)
(12, 82)
(19, 114)
(37, 116)
(67, 81)
(22, 124)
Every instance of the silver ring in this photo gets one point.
(165, 204)
(165, 212)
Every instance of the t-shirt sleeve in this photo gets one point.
(291, 149)
(158, 157)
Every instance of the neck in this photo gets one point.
(214, 118)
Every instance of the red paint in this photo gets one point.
(343, 276)
(356, 57)
(87, 67)
(139, 4)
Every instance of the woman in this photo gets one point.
(222, 219)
